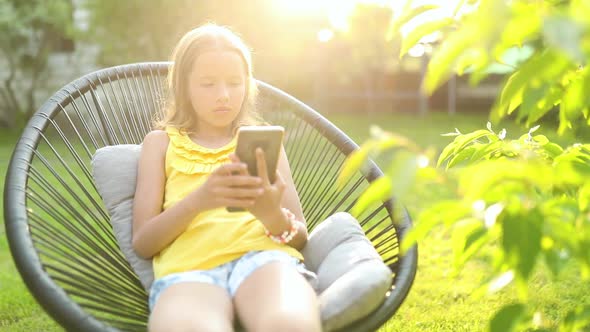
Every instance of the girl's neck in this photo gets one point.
(211, 137)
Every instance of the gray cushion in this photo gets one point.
(114, 169)
(352, 278)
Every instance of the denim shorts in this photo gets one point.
(230, 276)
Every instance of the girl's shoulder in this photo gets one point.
(156, 139)
(156, 135)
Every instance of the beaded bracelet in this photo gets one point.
(286, 236)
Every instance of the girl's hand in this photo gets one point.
(223, 189)
(267, 207)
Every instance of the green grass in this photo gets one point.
(438, 301)
(18, 310)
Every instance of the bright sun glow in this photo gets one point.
(325, 35)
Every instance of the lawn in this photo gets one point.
(438, 301)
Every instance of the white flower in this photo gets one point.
(479, 205)
(501, 281)
(422, 161)
(489, 126)
(492, 213)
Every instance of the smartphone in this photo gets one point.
(269, 139)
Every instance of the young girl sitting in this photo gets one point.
(212, 265)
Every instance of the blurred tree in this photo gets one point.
(138, 30)
(29, 31)
(147, 30)
(369, 55)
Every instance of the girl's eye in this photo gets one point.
(207, 84)
(235, 83)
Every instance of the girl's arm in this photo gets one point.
(153, 228)
(291, 201)
(270, 213)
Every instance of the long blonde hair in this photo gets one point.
(178, 110)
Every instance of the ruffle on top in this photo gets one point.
(191, 158)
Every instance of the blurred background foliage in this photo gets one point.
(334, 55)
(30, 30)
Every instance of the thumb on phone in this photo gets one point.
(234, 159)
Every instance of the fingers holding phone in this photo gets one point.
(259, 148)
(223, 189)
(271, 196)
(235, 159)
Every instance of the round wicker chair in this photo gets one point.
(59, 231)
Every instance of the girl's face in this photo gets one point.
(217, 87)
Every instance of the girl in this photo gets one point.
(212, 265)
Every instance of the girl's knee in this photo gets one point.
(289, 322)
(180, 321)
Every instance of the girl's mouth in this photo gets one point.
(222, 110)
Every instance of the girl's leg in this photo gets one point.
(275, 297)
(192, 306)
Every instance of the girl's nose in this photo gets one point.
(223, 92)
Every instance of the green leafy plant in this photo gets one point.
(527, 199)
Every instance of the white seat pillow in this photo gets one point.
(114, 169)
(352, 277)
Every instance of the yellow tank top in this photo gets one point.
(213, 237)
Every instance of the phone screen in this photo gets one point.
(269, 139)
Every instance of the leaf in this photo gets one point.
(480, 69)
(402, 172)
(419, 231)
(471, 137)
(468, 237)
(407, 15)
(577, 319)
(564, 34)
(554, 261)
(354, 162)
(540, 140)
(446, 153)
(487, 151)
(507, 318)
(441, 65)
(505, 177)
(387, 140)
(575, 99)
(584, 198)
(523, 26)
(447, 212)
(463, 155)
(421, 31)
(521, 240)
(553, 149)
(549, 98)
(564, 122)
(511, 95)
(378, 191)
